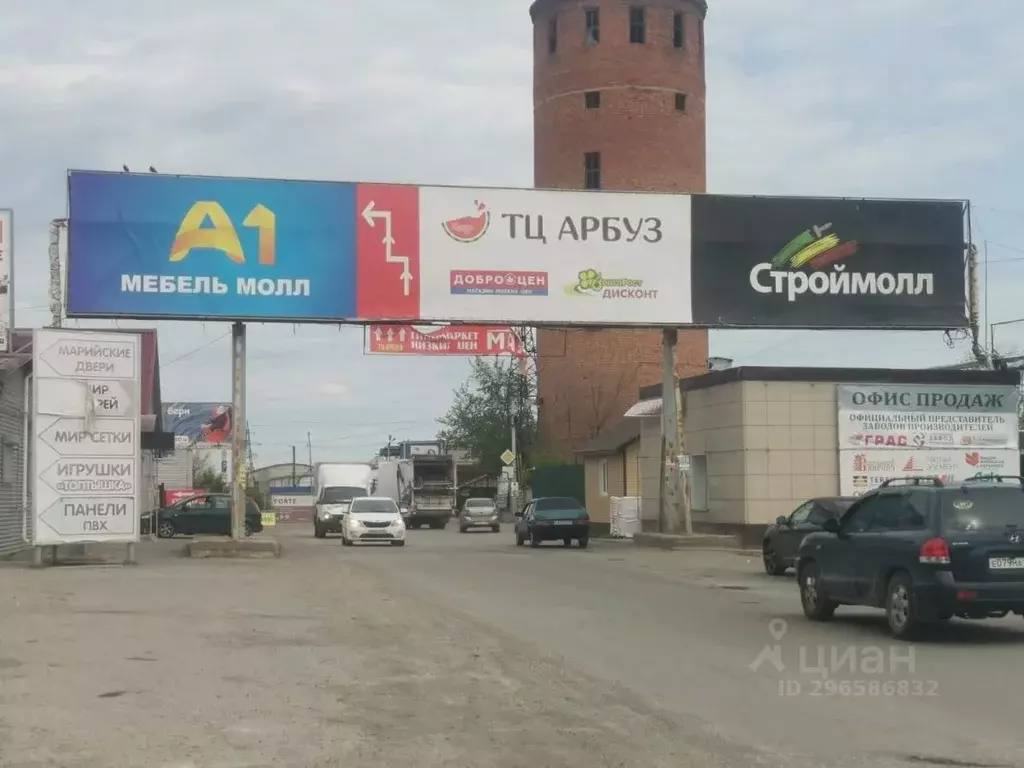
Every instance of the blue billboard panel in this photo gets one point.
(155, 246)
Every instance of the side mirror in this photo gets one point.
(831, 525)
(782, 521)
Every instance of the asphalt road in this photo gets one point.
(683, 630)
(465, 650)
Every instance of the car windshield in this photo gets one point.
(479, 504)
(558, 509)
(373, 506)
(340, 494)
(984, 509)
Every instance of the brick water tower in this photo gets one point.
(618, 104)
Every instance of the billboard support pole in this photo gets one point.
(668, 507)
(238, 431)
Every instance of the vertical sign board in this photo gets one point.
(949, 431)
(6, 277)
(87, 396)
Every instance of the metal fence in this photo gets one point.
(15, 495)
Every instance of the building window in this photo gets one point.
(602, 477)
(592, 170)
(678, 30)
(637, 24)
(592, 99)
(681, 102)
(553, 34)
(593, 23)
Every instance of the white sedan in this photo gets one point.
(373, 519)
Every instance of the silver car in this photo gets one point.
(479, 513)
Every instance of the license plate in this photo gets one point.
(1006, 563)
(563, 522)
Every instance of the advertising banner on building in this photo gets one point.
(292, 504)
(203, 428)
(448, 340)
(860, 471)
(155, 246)
(934, 416)
(788, 262)
(6, 278)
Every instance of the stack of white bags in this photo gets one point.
(625, 516)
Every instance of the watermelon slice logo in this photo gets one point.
(469, 229)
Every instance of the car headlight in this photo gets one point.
(354, 523)
(399, 523)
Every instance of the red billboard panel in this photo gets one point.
(455, 340)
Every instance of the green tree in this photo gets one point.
(209, 480)
(497, 396)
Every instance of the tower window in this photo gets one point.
(681, 102)
(592, 99)
(678, 30)
(553, 34)
(592, 19)
(592, 170)
(637, 24)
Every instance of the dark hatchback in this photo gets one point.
(205, 514)
(553, 518)
(923, 551)
(782, 540)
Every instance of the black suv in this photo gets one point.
(922, 550)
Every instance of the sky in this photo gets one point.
(878, 98)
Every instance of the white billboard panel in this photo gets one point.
(86, 436)
(554, 257)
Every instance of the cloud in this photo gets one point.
(904, 98)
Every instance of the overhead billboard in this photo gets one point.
(155, 246)
(6, 278)
(204, 248)
(796, 262)
(444, 341)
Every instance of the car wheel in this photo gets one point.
(345, 541)
(816, 603)
(248, 530)
(463, 529)
(566, 542)
(584, 541)
(534, 540)
(319, 532)
(165, 530)
(496, 528)
(398, 543)
(901, 609)
(771, 564)
(520, 541)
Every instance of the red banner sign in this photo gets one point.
(179, 494)
(448, 340)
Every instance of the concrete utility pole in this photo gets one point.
(238, 431)
(668, 504)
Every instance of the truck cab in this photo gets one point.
(335, 487)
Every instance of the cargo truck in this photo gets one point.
(431, 498)
(334, 487)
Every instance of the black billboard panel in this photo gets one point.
(793, 262)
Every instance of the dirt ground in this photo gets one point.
(305, 661)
